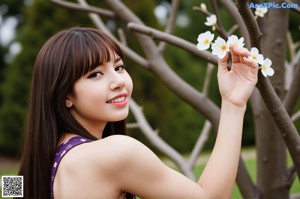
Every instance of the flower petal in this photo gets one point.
(254, 50)
(270, 71)
(264, 73)
(268, 62)
(201, 46)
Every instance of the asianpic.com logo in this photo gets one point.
(270, 5)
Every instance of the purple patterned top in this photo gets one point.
(61, 151)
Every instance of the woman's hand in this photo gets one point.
(236, 85)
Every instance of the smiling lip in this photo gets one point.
(119, 100)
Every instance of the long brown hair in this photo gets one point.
(63, 59)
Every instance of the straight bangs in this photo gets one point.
(90, 49)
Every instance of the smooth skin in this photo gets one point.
(109, 167)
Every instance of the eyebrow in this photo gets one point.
(118, 59)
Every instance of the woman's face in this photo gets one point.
(100, 96)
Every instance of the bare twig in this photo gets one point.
(171, 24)
(291, 47)
(220, 26)
(245, 183)
(293, 93)
(296, 116)
(90, 9)
(132, 125)
(199, 144)
(122, 36)
(207, 79)
(297, 45)
(291, 175)
(199, 9)
(296, 9)
(232, 29)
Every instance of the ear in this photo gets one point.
(69, 103)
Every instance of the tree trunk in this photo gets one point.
(271, 155)
(271, 150)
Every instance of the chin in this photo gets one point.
(120, 117)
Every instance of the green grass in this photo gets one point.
(251, 168)
(7, 172)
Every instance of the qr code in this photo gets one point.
(12, 186)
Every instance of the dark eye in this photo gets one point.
(120, 68)
(95, 74)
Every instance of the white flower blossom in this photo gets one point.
(254, 54)
(266, 68)
(235, 41)
(260, 12)
(211, 20)
(220, 47)
(204, 40)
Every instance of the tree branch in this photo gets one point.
(89, 9)
(207, 125)
(296, 116)
(291, 175)
(199, 144)
(233, 11)
(295, 9)
(245, 183)
(205, 12)
(220, 27)
(157, 142)
(293, 93)
(176, 41)
(171, 24)
(274, 104)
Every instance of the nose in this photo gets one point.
(117, 81)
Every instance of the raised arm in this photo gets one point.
(235, 87)
(137, 170)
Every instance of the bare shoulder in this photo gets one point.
(111, 151)
(119, 149)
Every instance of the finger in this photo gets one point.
(222, 63)
(234, 57)
(238, 54)
(250, 62)
(241, 51)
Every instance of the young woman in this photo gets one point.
(75, 143)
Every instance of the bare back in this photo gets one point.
(80, 175)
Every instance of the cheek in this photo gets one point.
(129, 84)
(90, 93)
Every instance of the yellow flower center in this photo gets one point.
(264, 67)
(223, 47)
(254, 57)
(206, 41)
